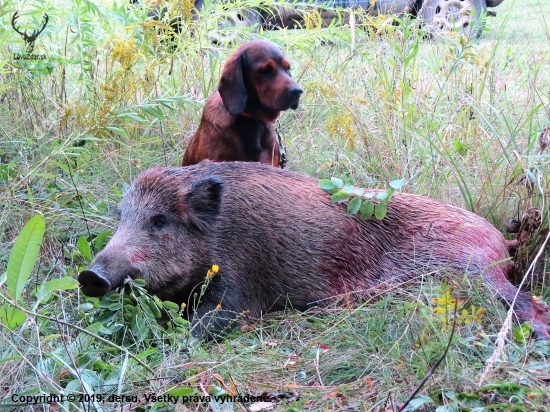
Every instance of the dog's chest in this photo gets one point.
(256, 136)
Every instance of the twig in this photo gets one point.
(317, 367)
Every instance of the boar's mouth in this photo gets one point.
(93, 284)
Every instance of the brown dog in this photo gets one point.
(237, 121)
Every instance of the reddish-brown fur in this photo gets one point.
(237, 121)
(279, 241)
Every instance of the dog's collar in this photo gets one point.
(282, 148)
(246, 114)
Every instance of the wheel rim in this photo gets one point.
(453, 15)
(232, 19)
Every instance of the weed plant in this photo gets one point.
(457, 119)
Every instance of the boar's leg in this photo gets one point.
(526, 308)
(211, 323)
(538, 313)
(219, 309)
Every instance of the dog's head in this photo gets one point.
(256, 80)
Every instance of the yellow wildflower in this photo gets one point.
(182, 309)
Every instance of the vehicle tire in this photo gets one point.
(464, 16)
(235, 18)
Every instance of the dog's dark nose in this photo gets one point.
(295, 91)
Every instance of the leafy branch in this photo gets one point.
(366, 202)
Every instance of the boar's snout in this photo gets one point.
(93, 284)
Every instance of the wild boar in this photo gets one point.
(279, 240)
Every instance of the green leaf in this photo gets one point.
(417, 402)
(354, 205)
(505, 388)
(170, 305)
(110, 329)
(84, 247)
(468, 399)
(142, 355)
(114, 306)
(90, 377)
(24, 254)
(382, 196)
(50, 337)
(451, 407)
(366, 209)
(340, 197)
(132, 116)
(11, 317)
(50, 176)
(154, 308)
(522, 332)
(121, 132)
(380, 211)
(181, 321)
(217, 391)
(112, 296)
(460, 147)
(101, 240)
(11, 358)
(326, 184)
(45, 291)
(182, 391)
(139, 327)
(337, 182)
(412, 52)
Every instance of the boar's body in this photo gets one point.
(279, 241)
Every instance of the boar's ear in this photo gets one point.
(203, 200)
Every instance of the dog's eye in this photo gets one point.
(266, 70)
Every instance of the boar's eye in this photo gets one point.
(158, 222)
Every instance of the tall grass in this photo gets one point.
(458, 120)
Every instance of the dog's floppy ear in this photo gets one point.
(231, 88)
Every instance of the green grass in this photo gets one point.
(458, 120)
